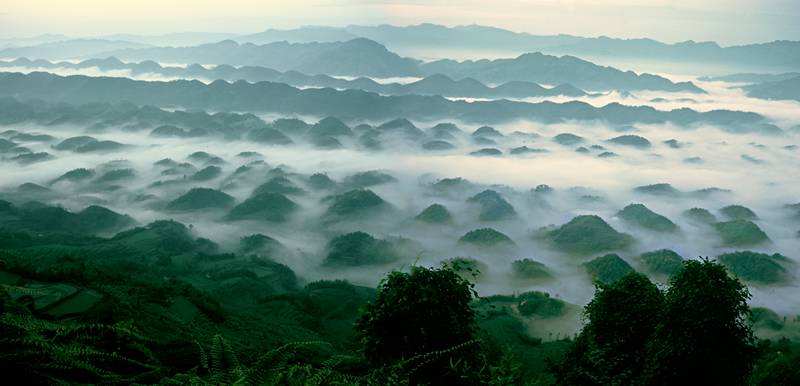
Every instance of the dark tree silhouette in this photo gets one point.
(704, 336)
(620, 320)
(417, 313)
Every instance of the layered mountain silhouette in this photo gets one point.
(547, 69)
(788, 89)
(353, 57)
(364, 57)
(348, 104)
(432, 85)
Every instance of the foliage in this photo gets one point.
(737, 233)
(417, 312)
(664, 261)
(530, 269)
(738, 212)
(756, 267)
(608, 268)
(610, 349)
(586, 235)
(777, 364)
(540, 304)
(273, 207)
(353, 203)
(704, 334)
(359, 248)
(201, 198)
(640, 215)
(486, 237)
(700, 215)
(435, 214)
(493, 206)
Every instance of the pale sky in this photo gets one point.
(725, 21)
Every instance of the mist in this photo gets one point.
(764, 187)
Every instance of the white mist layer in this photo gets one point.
(764, 187)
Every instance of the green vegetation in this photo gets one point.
(420, 312)
(438, 145)
(540, 304)
(329, 126)
(530, 270)
(568, 139)
(584, 235)
(738, 212)
(368, 178)
(764, 318)
(75, 175)
(700, 216)
(631, 140)
(640, 215)
(486, 237)
(155, 304)
(435, 214)
(610, 350)
(696, 331)
(258, 244)
(740, 233)
(207, 173)
(38, 217)
(663, 262)
(487, 152)
(466, 267)
(493, 206)
(115, 175)
(278, 185)
(359, 248)
(757, 267)
(268, 135)
(662, 189)
(354, 204)
(319, 181)
(703, 333)
(201, 198)
(273, 207)
(608, 269)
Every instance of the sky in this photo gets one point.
(724, 21)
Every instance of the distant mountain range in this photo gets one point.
(786, 89)
(347, 104)
(353, 57)
(431, 85)
(773, 56)
(363, 57)
(69, 49)
(547, 69)
(783, 55)
(751, 78)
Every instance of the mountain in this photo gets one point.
(433, 85)
(299, 35)
(750, 77)
(347, 104)
(783, 55)
(32, 40)
(173, 39)
(547, 69)
(364, 57)
(352, 57)
(788, 89)
(69, 49)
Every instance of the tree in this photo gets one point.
(704, 336)
(417, 313)
(620, 320)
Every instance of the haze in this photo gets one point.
(725, 21)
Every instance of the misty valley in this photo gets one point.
(300, 207)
